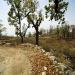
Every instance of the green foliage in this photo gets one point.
(35, 19)
(56, 10)
(18, 11)
(65, 30)
(42, 32)
(2, 29)
(29, 35)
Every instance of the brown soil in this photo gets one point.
(24, 60)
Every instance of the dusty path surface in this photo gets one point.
(13, 61)
(25, 59)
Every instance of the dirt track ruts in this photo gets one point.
(14, 61)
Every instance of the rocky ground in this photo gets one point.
(29, 59)
(25, 59)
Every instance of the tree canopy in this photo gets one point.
(2, 29)
(35, 19)
(18, 11)
(56, 10)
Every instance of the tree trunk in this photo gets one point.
(22, 40)
(19, 17)
(37, 36)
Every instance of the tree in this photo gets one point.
(50, 29)
(57, 31)
(72, 31)
(25, 28)
(42, 32)
(65, 31)
(29, 35)
(35, 19)
(56, 9)
(18, 11)
(2, 29)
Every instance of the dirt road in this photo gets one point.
(14, 61)
(24, 60)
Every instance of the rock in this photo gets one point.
(44, 73)
(8, 44)
(55, 62)
(45, 68)
(52, 58)
(43, 50)
(2, 43)
(47, 53)
(62, 67)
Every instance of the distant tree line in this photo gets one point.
(64, 31)
(2, 29)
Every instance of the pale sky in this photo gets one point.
(4, 8)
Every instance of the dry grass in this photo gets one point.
(58, 46)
